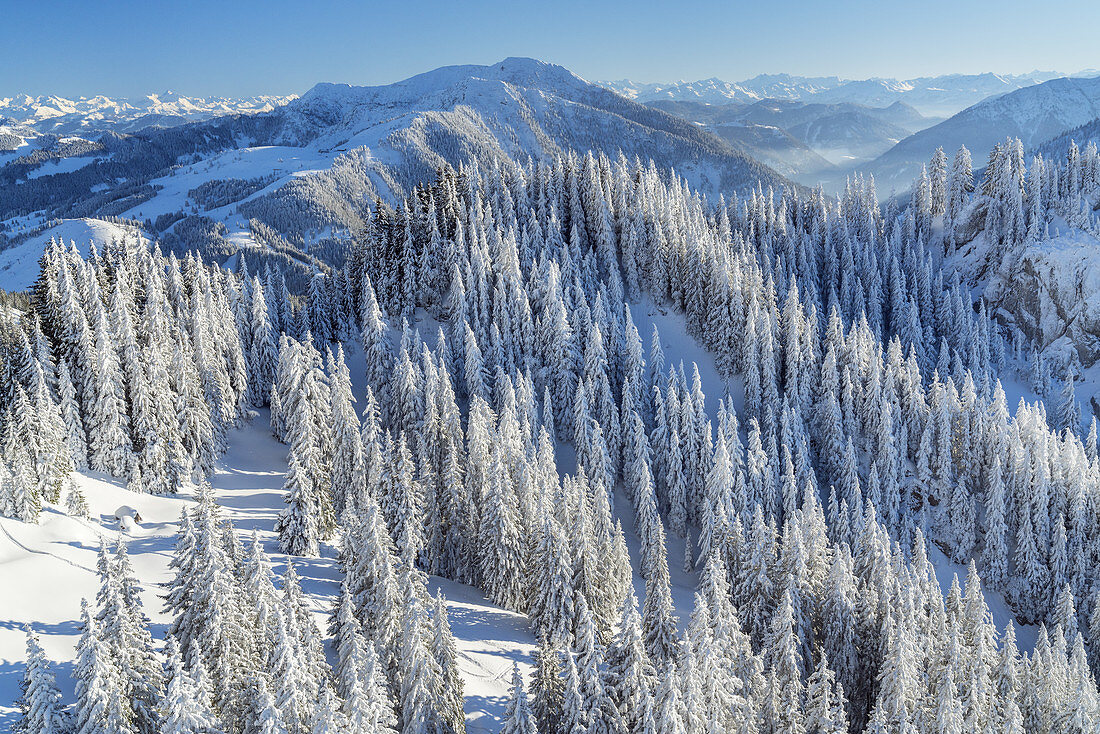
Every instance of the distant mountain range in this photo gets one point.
(84, 115)
(820, 130)
(805, 141)
(716, 91)
(1033, 114)
(310, 168)
(939, 96)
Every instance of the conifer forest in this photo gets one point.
(564, 417)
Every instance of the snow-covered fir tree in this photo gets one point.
(873, 426)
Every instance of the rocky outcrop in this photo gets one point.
(1049, 290)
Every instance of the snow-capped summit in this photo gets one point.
(435, 87)
(99, 113)
(515, 108)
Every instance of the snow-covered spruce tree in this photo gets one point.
(547, 685)
(261, 601)
(418, 670)
(40, 707)
(630, 675)
(300, 523)
(210, 622)
(348, 642)
(368, 705)
(266, 718)
(263, 349)
(370, 567)
(124, 627)
(101, 702)
(995, 550)
(75, 436)
(599, 708)
(406, 501)
(502, 553)
(185, 707)
(291, 681)
(826, 711)
(302, 628)
(518, 717)
(1068, 415)
(551, 609)
(347, 453)
(449, 691)
(327, 716)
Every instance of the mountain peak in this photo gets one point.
(330, 98)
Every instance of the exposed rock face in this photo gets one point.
(1049, 290)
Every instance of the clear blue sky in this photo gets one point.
(240, 47)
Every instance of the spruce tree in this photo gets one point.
(185, 710)
(518, 717)
(101, 702)
(547, 685)
(825, 703)
(40, 707)
(449, 694)
(630, 675)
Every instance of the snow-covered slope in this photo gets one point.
(1033, 114)
(19, 265)
(328, 155)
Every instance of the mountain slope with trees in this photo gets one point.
(1033, 114)
(864, 431)
(354, 145)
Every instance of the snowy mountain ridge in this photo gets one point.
(97, 113)
(934, 96)
(1033, 114)
(310, 169)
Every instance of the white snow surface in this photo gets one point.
(19, 264)
(62, 165)
(46, 569)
